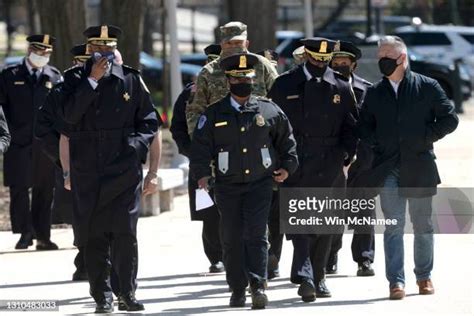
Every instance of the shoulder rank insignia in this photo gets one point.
(259, 120)
(336, 99)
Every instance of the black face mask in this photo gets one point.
(344, 70)
(387, 65)
(316, 71)
(241, 89)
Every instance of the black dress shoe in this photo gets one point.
(237, 299)
(259, 298)
(365, 269)
(104, 307)
(321, 289)
(217, 267)
(79, 276)
(129, 303)
(307, 291)
(46, 245)
(25, 241)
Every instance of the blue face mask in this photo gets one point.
(109, 55)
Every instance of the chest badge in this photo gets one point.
(259, 120)
(48, 84)
(126, 96)
(336, 99)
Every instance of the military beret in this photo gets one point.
(42, 41)
(233, 31)
(239, 65)
(269, 54)
(347, 49)
(320, 48)
(213, 50)
(80, 52)
(103, 35)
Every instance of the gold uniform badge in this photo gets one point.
(336, 99)
(126, 96)
(260, 120)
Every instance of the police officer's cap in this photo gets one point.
(41, 41)
(348, 49)
(103, 35)
(269, 54)
(239, 65)
(80, 52)
(320, 48)
(213, 50)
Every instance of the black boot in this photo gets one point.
(104, 307)
(331, 267)
(321, 289)
(25, 241)
(237, 299)
(46, 245)
(365, 269)
(129, 303)
(217, 267)
(307, 291)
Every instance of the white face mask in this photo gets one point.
(37, 60)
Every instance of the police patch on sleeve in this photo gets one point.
(202, 121)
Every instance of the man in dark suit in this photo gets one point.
(23, 89)
(402, 116)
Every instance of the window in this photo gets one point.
(468, 37)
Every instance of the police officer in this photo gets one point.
(23, 89)
(321, 108)
(363, 242)
(113, 123)
(210, 216)
(250, 140)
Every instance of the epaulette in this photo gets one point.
(131, 69)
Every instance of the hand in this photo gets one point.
(280, 175)
(99, 69)
(150, 184)
(203, 183)
(67, 183)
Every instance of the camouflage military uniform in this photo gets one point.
(211, 84)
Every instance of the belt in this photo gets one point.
(102, 134)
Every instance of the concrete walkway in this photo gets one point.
(173, 278)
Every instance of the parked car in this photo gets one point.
(151, 70)
(441, 43)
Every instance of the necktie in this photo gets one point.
(34, 77)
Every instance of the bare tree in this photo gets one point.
(128, 15)
(150, 19)
(66, 21)
(6, 6)
(335, 14)
(260, 17)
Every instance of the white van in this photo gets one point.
(444, 43)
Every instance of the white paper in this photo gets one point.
(203, 199)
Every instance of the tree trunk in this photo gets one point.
(33, 18)
(150, 19)
(66, 24)
(334, 16)
(128, 15)
(261, 19)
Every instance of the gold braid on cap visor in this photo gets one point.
(319, 56)
(240, 73)
(343, 54)
(102, 41)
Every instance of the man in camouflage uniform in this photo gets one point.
(211, 84)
